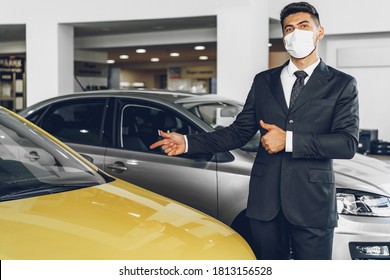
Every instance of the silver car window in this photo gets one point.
(219, 115)
(76, 121)
(140, 125)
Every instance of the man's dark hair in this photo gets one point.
(299, 7)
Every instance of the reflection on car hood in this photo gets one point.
(113, 221)
(363, 173)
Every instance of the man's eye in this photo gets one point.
(288, 30)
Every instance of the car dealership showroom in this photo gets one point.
(156, 130)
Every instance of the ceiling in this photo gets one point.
(9, 33)
(186, 51)
(141, 26)
(162, 52)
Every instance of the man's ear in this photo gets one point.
(320, 33)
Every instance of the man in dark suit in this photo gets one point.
(292, 197)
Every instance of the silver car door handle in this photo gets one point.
(117, 166)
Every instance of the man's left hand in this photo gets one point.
(274, 140)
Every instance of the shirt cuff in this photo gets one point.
(289, 141)
(186, 141)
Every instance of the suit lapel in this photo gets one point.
(277, 88)
(318, 79)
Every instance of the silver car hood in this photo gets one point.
(363, 173)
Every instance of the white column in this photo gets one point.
(242, 47)
(49, 60)
(65, 59)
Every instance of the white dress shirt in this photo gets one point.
(288, 79)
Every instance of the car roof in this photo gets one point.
(178, 97)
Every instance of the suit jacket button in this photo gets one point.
(290, 121)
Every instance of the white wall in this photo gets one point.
(369, 56)
(345, 16)
(242, 48)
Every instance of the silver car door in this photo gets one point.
(192, 181)
(94, 154)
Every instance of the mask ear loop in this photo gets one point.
(317, 38)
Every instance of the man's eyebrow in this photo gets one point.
(304, 21)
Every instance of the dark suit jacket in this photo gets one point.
(324, 121)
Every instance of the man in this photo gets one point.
(291, 203)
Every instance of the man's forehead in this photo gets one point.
(297, 18)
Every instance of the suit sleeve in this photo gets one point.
(234, 136)
(342, 140)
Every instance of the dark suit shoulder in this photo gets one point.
(340, 74)
(266, 74)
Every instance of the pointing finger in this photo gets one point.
(159, 143)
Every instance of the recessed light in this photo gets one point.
(110, 61)
(203, 57)
(140, 51)
(175, 54)
(124, 56)
(154, 59)
(199, 48)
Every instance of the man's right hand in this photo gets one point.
(173, 143)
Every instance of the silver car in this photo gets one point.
(114, 129)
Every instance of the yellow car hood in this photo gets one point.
(113, 221)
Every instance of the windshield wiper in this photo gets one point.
(41, 190)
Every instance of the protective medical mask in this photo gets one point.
(299, 43)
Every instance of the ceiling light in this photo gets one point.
(154, 59)
(199, 48)
(203, 57)
(124, 56)
(140, 51)
(110, 61)
(175, 54)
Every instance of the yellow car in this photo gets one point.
(54, 204)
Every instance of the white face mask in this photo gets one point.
(299, 43)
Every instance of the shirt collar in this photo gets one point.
(291, 68)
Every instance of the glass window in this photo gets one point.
(140, 126)
(219, 115)
(76, 121)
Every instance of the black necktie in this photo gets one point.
(298, 86)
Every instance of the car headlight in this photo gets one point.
(362, 204)
(369, 250)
